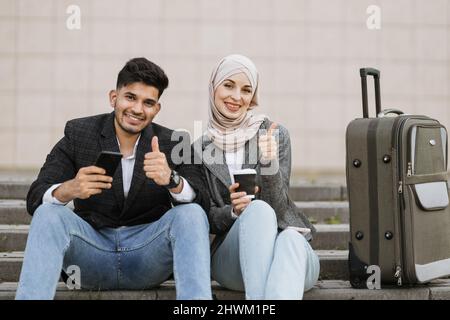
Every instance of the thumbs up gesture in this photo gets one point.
(268, 145)
(156, 166)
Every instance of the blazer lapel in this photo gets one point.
(214, 160)
(251, 153)
(108, 142)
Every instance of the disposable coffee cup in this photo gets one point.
(247, 181)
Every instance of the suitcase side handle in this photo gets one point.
(364, 72)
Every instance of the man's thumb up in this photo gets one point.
(156, 166)
(155, 145)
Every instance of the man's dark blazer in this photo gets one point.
(146, 202)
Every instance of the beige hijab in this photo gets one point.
(226, 133)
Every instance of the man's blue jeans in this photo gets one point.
(136, 257)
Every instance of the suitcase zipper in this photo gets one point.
(398, 275)
(411, 146)
(402, 238)
(401, 219)
(409, 173)
(398, 256)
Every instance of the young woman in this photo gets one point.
(261, 245)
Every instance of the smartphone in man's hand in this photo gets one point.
(109, 161)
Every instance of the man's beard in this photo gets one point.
(127, 130)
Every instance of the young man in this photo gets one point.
(123, 232)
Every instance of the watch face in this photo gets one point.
(176, 178)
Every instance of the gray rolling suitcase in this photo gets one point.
(396, 170)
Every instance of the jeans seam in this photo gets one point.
(75, 234)
(66, 247)
(118, 255)
(127, 249)
(242, 260)
(119, 270)
(172, 243)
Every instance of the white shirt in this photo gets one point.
(186, 195)
(234, 161)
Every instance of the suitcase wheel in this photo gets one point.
(357, 270)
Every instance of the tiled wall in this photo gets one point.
(308, 53)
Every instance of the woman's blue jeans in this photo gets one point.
(136, 257)
(264, 263)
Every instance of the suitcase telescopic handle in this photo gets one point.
(364, 72)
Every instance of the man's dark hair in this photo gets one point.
(145, 71)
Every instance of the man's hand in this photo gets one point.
(239, 201)
(88, 181)
(268, 145)
(156, 166)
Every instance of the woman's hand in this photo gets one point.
(268, 145)
(239, 201)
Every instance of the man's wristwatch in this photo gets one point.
(175, 180)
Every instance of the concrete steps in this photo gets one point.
(323, 290)
(325, 205)
(334, 212)
(333, 265)
(318, 192)
(14, 189)
(328, 237)
(320, 203)
(13, 237)
(13, 211)
(301, 192)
